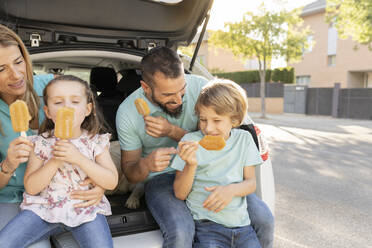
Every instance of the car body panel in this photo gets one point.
(124, 23)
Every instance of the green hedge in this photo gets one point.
(284, 75)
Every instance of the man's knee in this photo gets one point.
(259, 213)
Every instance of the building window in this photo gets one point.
(331, 60)
(310, 42)
(303, 80)
(332, 40)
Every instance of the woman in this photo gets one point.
(17, 82)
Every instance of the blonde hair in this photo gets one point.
(93, 123)
(226, 98)
(9, 38)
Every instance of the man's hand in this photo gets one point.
(158, 160)
(157, 126)
(91, 197)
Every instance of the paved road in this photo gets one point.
(323, 175)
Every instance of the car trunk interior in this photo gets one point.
(94, 65)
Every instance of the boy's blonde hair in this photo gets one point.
(226, 98)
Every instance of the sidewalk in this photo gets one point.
(321, 123)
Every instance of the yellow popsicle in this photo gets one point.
(142, 107)
(64, 123)
(19, 116)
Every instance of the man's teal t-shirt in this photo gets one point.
(14, 190)
(131, 126)
(221, 168)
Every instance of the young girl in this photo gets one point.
(215, 183)
(55, 169)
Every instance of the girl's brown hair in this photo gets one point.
(93, 123)
(226, 98)
(9, 38)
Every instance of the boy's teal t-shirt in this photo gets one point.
(13, 192)
(131, 126)
(221, 168)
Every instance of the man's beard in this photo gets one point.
(175, 113)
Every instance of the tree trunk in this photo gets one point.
(262, 93)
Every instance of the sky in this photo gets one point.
(233, 10)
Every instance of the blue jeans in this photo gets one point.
(176, 222)
(27, 228)
(171, 214)
(7, 212)
(212, 235)
(262, 220)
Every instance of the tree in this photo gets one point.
(265, 36)
(352, 18)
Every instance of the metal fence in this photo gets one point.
(355, 103)
(295, 99)
(342, 103)
(319, 101)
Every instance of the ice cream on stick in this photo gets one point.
(19, 116)
(210, 142)
(64, 123)
(142, 107)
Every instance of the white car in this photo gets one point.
(103, 42)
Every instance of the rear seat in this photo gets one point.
(103, 81)
(129, 82)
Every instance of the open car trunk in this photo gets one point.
(130, 24)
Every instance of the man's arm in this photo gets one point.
(133, 166)
(176, 133)
(137, 168)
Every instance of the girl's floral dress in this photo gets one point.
(54, 204)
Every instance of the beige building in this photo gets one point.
(331, 60)
(221, 60)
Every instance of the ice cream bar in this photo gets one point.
(142, 107)
(210, 142)
(19, 116)
(64, 123)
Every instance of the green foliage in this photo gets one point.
(352, 18)
(240, 76)
(216, 70)
(265, 36)
(284, 75)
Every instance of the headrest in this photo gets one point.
(103, 78)
(129, 82)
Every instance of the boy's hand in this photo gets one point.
(66, 151)
(220, 197)
(187, 152)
